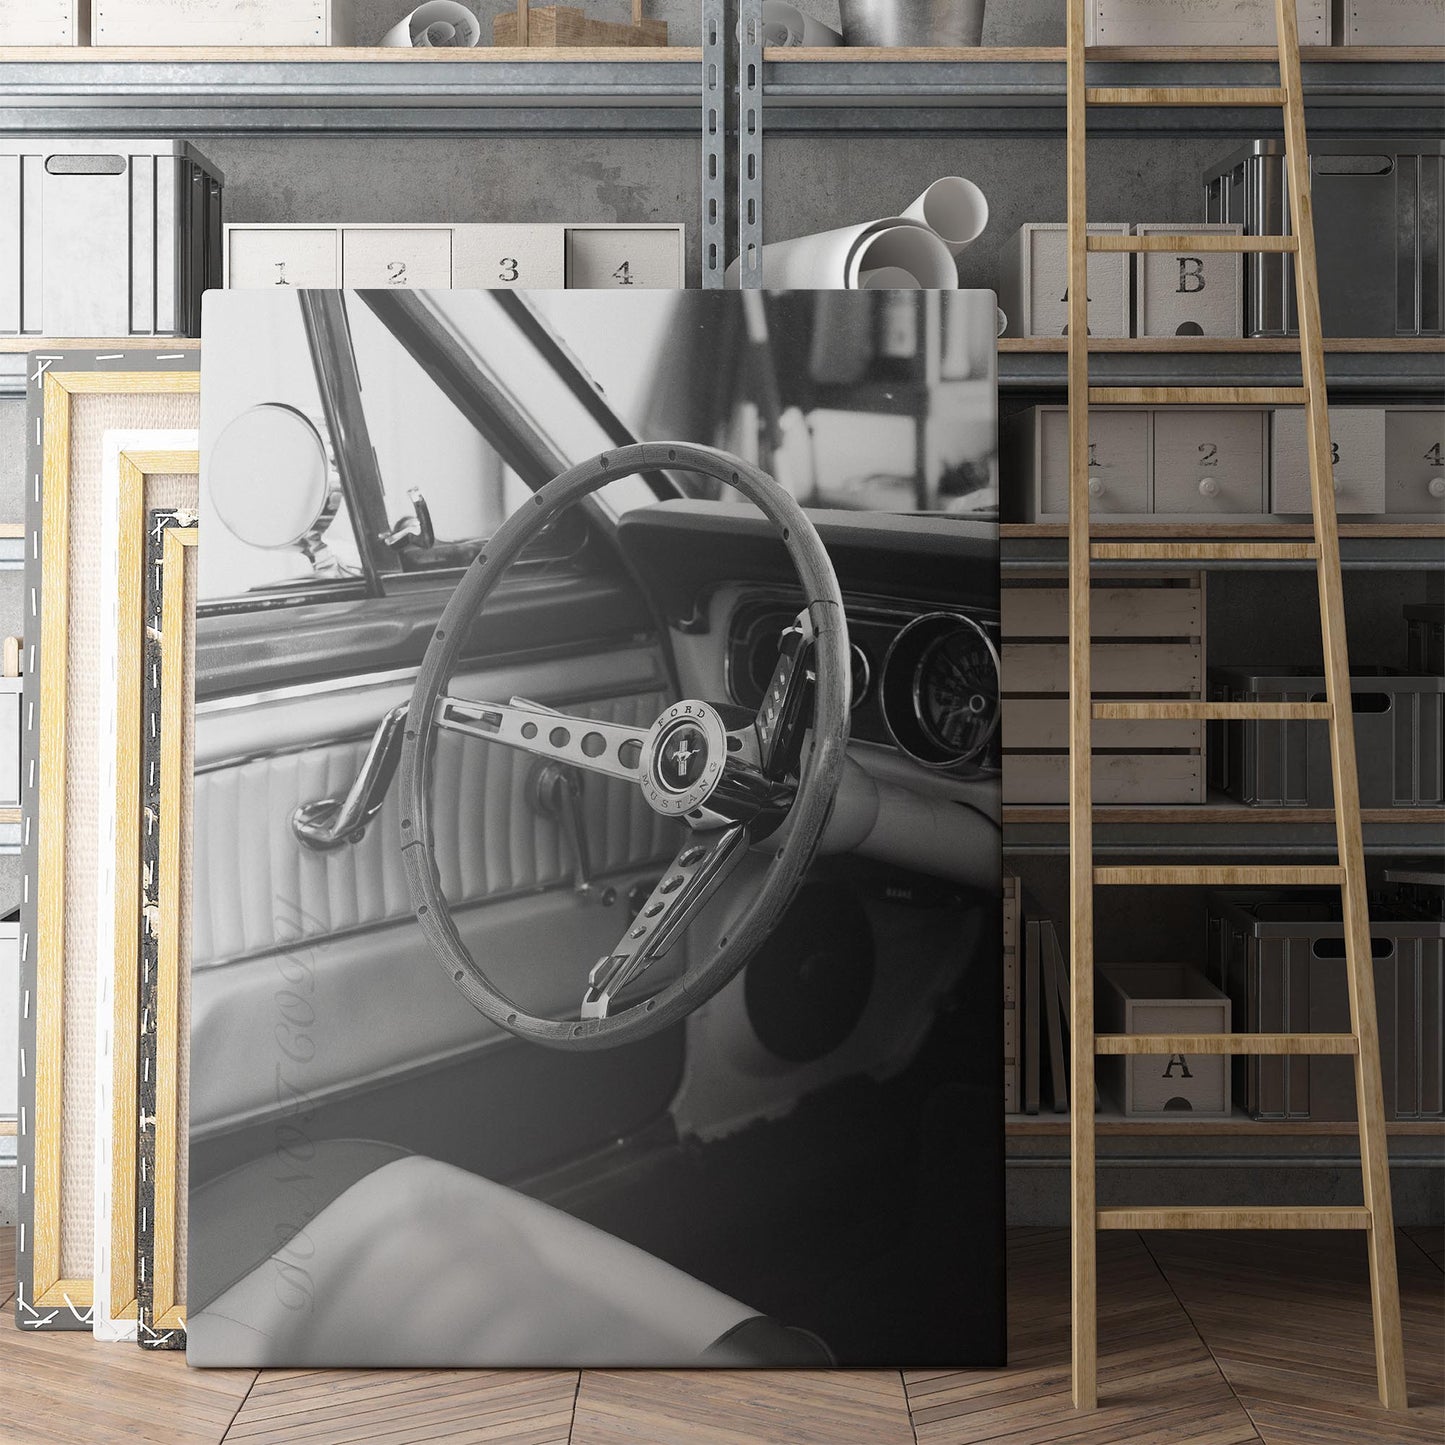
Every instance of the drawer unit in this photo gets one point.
(220, 22)
(1357, 450)
(1148, 998)
(106, 237)
(1389, 22)
(377, 257)
(1148, 642)
(1209, 462)
(1201, 22)
(487, 258)
(1377, 213)
(1415, 459)
(645, 257)
(1281, 960)
(479, 257)
(1399, 739)
(1034, 282)
(53, 22)
(1189, 293)
(1038, 448)
(283, 256)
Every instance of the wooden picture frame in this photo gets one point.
(167, 767)
(66, 391)
(137, 466)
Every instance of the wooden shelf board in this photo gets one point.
(1045, 1125)
(1154, 528)
(15, 345)
(1224, 345)
(1216, 812)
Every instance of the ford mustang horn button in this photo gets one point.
(685, 753)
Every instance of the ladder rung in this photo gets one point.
(1223, 876)
(1216, 711)
(1264, 1044)
(1211, 1216)
(1187, 241)
(1205, 551)
(1198, 395)
(1185, 95)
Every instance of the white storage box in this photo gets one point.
(1201, 22)
(1415, 460)
(1037, 443)
(106, 237)
(44, 22)
(1357, 441)
(1034, 282)
(1209, 461)
(1189, 293)
(1149, 998)
(11, 695)
(480, 257)
(221, 22)
(1389, 22)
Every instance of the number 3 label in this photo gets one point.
(509, 271)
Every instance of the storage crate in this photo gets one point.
(1033, 289)
(1425, 637)
(1188, 293)
(1148, 642)
(1399, 739)
(1280, 957)
(1200, 22)
(1147, 998)
(221, 22)
(44, 22)
(1377, 217)
(1389, 22)
(106, 237)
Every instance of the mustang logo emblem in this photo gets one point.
(683, 756)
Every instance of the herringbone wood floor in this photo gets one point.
(1205, 1340)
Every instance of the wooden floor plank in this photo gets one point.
(1288, 1320)
(728, 1407)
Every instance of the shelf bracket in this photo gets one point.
(750, 143)
(715, 51)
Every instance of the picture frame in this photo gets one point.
(141, 469)
(74, 398)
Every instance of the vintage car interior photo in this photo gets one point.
(595, 910)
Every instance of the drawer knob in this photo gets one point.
(1096, 486)
(1436, 487)
(1208, 487)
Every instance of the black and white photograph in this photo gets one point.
(594, 948)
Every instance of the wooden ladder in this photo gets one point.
(1376, 1217)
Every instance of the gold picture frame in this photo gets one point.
(53, 1291)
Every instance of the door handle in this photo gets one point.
(331, 823)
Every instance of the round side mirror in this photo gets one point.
(272, 480)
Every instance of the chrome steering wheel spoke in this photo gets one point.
(597, 747)
(689, 882)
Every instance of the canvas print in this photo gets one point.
(595, 923)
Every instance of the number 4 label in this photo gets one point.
(623, 274)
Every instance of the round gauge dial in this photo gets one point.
(955, 690)
(940, 690)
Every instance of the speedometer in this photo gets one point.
(941, 690)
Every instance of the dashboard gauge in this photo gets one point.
(862, 673)
(940, 690)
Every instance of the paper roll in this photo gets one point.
(437, 25)
(888, 278)
(836, 260)
(954, 209)
(786, 25)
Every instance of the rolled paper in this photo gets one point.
(786, 25)
(954, 209)
(888, 278)
(836, 260)
(437, 25)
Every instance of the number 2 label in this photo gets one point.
(396, 273)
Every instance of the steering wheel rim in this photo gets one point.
(821, 768)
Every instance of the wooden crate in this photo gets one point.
(221, 22)
(1148, 635)
(53, 22)
(554, 26)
